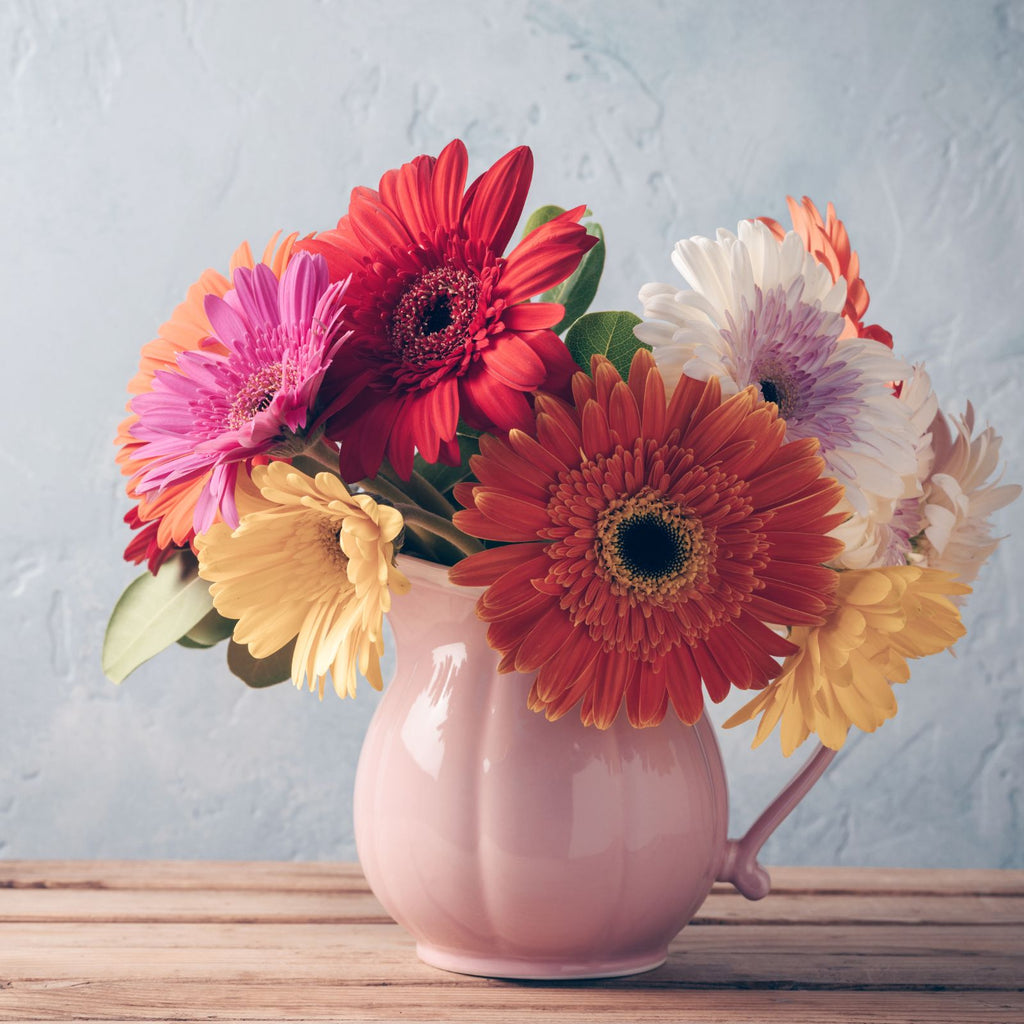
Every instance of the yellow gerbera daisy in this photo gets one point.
(842, 673)
(312, 562)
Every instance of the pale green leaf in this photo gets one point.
(152, 613)
(608, 334)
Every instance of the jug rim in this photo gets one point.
(431, 574)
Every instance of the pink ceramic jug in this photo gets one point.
(510, 846)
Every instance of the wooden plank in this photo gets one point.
(182, 874)
(274, 905)
(195, 905)
(347, 877)
(927, 881)
(493, 1003)
(291, 942)
(864, 908)
(798, 956)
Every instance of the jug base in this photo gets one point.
(547, 968)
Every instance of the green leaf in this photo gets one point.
(608, 334)
(577, 291)
(541, 216)
(152, 613)
(260, 672)
(208, 631)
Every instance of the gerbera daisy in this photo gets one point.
(145, 545)
(958, 498)
(842, 672)
(886, 538)
(442, 328)
(646, 544)
(171, 509)
(314, 563)
(828, 242)
(218, 410)
(764, 312)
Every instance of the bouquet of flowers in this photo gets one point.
(745, 486)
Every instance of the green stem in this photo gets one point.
(324, 454)
(440, 527)
(421, 490)
(378, 485)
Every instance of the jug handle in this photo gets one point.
(740, 865)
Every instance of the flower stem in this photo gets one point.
(420, 490)
(324, 454)
(440, 527)
(378, 485)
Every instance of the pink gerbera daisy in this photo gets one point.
(442, 328)
(165, 517)
(250, 392)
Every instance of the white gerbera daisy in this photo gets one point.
(958, 499)
(889, 539)
(762, 311)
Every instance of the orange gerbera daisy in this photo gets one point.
(647, 544)
(189, 329)
(827, 241)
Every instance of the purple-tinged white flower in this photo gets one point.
(763, 311)
(217, 412)
(889, 536)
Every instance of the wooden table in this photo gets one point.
(185, 941)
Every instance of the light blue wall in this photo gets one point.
(139, 143)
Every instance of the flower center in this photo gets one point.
(435, 315)
(778, 386)
(258, 391)
(649, 545)
(329, 535)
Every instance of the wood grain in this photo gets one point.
(161, 941)
(318, 877)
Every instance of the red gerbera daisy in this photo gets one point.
(442, 326)
(647, 544)
(145, 544)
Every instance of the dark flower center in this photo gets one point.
(769, 392)
(435, 315)
(779, 386)
(439, 316)
(649, 545)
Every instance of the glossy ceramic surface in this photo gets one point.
(510, 846)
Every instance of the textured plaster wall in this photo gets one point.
(140, 142)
